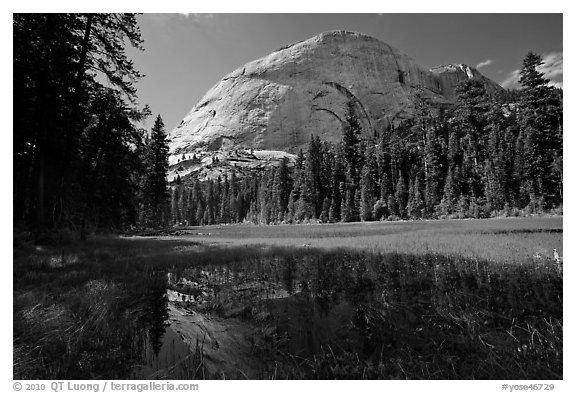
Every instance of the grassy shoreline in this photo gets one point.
(92, 310)
(512, 240)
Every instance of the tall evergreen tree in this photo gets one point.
(448, 202)
(471, 119)
(368, 186)
(155, 185)
(350, 143)
(401, 196)
(57, 58)
(312, 189)
(291, 215)
(283, 185)
(324, 214)
(541, 129)
(433, 170)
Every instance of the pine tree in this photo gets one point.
(207, 218)
(366, 197)
(454, 152)
(299, 174)
(448, 202)
(410, 203)
(209, 198)
(291, 215)
(225, 202)
(418, 205)
(174, 193)
(462, 206)
(433, 170)
(198, 215)
(496, 182)
(392, 206)
(265, 208)
(366, 205)
(155, 185)
(384, 187)
(380, 210)
(283, 185)
(312, 189)
(57, 101)
(216, 199)
(369, 183)
(350, 143)
(401, 196)
(324, 214)
(471, 119)
(337, 182)
(235, 205)
(347, 206)
(540, 122)
(333, 213)
(304, 210)
(470, 115)
(355, 208)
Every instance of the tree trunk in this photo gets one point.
(91, 189)
(71, 134)
(40, 162)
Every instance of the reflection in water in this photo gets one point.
(306, 315)
(173, 360)
(156, 312)
(308, 303)
(166, 355)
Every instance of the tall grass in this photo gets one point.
(83, 312)
(510, 240)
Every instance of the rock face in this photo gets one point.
(279, 101)
(452, 74)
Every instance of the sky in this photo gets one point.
(186, 54)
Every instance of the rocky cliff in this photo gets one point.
(450, 75)
(278, 101)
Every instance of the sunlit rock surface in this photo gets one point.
(279, 101)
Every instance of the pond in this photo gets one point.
(267, 310)
(320, 314)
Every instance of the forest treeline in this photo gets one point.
(487, 155)
(82, 161)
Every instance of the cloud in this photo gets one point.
(552, 68)
(197, 16)
(199, 19)
(512, 80)
(558, 84)
(484, 63)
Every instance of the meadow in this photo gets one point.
(499, 240)
(453, 299)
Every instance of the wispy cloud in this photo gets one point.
(553, 69)
(559, 84)
(553, 66)
(202, 21)
(484, 63)
(197, 16)
(512, 80)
